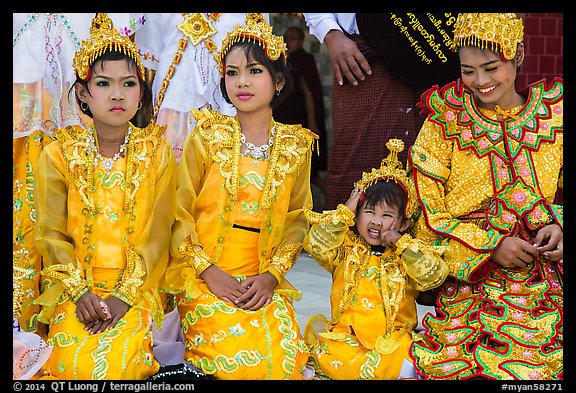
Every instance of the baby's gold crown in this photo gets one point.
(391, 169)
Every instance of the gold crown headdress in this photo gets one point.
(499, 32)
(391, 169)
(258, 30)
(103, 37)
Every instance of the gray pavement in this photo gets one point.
(315, 284)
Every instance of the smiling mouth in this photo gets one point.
(486, 89)
(374, 233)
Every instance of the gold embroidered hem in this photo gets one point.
(230, 343)
(121, 353)
(72, 279)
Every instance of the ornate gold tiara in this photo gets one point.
(499, 32)
(391, 169)
(258, 30)
(103, 36)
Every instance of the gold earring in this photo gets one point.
(278, 92)
(82, 107)
(139, 105)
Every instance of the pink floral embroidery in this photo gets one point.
(537, 213)
(522, 301)
(452, 352)
(521, 160)
(526, 354)
(555, 284)
(549, 269)
(451, 337)
(455, 322)
(466, 135)
(509, 218)
(545, 126)
(449, 115)
(499, 161)
(518, 316)
(518, 197)
(465, 289)
(447, 367)
(558, 109)
(483, 144)
(535, 374)
(529, 137)
(528, 336)
(502, 173)
(525, 172)
(515, 287)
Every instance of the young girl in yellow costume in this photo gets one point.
(105, 204)
(43, 47)
(486, 168)
(243, 182)
(377, 273)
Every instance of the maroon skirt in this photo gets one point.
(364, 117)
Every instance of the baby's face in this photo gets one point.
(372, 221)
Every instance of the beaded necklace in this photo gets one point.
(107, 162)
(258, 152)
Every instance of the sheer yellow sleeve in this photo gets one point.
(188, 258)
(327, 234)
(293, 223)
(50, 236)
(422, 262)
(146, 261)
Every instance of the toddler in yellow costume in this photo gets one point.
(377, 274)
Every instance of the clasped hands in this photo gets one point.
(98, 314)
(252, 294)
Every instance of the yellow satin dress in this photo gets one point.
(108, 233)
(219, 190)
(228, 342)
(27, 262)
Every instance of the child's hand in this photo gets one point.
(259, 291)
(390, 237)
(88, 308)
(115, 308)
(222, 284)
(352, 202)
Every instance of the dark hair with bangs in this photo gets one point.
(254, 51)
(386, 191)
(146, 93)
